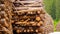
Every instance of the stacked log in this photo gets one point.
(5, 24)
(27, 17)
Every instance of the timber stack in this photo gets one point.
(5, 24)
(26, 17)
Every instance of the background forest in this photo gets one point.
(53, 8)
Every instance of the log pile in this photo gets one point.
(5, 24)
(25, 17)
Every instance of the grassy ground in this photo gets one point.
(55, 23)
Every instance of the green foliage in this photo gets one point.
(48, 4)
(57, 9)
(53, 8)
(55, 23)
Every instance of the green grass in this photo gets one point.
(55, 23)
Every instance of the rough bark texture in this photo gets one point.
(24, 17)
